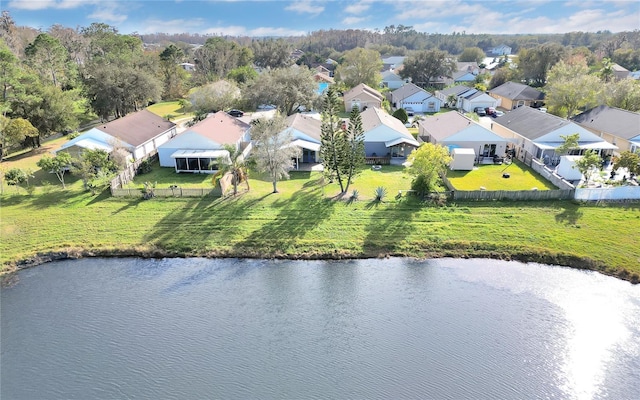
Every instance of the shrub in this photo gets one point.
(148, 191)
(380, 193)
(15, 176)
(73, 135)
(401, 114)
(355, 194)
(145, 166)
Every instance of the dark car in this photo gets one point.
(235, 113)
(480, 111)
(490, 111)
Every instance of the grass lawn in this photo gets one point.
(490, 177)
(391, 177)
(173, 108)
(303, 221)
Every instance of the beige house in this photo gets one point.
(363, 97)
(511, 95)
(616, 126)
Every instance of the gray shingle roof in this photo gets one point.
(137, 128)
(615, 121)
(305, 124)
(531, 123)
(517, 91)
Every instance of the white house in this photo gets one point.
(501, 50)
(198, 149)
(140, 133)
(305, 132)
(386, 136)
(454, 130)
(466, 98)
(362, 97)
(538, 134)
(473, 99)
(412, 97)
(392, 80)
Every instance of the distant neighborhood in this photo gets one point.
(485, 106)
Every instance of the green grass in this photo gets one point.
(305, 220)
(490, 177)
(170, 108)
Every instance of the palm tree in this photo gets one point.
(236, 165)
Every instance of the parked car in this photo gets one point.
(497, 114)
(490, 111)
(480, 111)
(409, 111)
(235, 113)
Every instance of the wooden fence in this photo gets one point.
(377, 160)
(524, 195)
(175, 192)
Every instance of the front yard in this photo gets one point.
(490, 177)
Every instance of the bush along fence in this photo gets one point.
(523, 195)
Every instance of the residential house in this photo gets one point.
(468, 66)
(511, 95)
(188, 66)
(198, 149)
(451, 96)
(463, 77)
(414, 98)
(392, 80)
(537, 134)
(321, 69)
(305, 132)
(362, 97)
(323, 81)
(501, 50)
(139, 133)
(386, 136)
(392, 63)
(620, 72)
(454, 130)
(466, 98)
(616, 126)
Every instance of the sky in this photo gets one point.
(300, 17)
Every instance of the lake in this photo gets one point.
(382, 328)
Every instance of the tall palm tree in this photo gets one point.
(236, 165)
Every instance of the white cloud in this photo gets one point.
(236, 30)
(170, 26)
(109, 12)
(353, 20)
(33, 5)
(358, 8)
(304, 7)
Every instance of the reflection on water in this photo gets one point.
(394, 328)
(601, 319)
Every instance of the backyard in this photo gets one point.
(490, 177)
(303, 222)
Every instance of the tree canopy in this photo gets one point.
(289, 89)
(424, 66)
(360, 66)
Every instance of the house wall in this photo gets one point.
(378, 148)
(362, 104)
(470, 105)
(477, 146)
(504, 102)
(521, 143)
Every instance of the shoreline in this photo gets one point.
(562, 260)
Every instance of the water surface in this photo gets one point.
(393, 328)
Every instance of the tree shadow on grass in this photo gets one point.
(203, 224)
(388, 228)
(297, 216)
(569, 215)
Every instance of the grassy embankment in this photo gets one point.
(303, 222)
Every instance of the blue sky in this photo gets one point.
(283, 18)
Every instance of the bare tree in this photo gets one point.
(273, 151)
